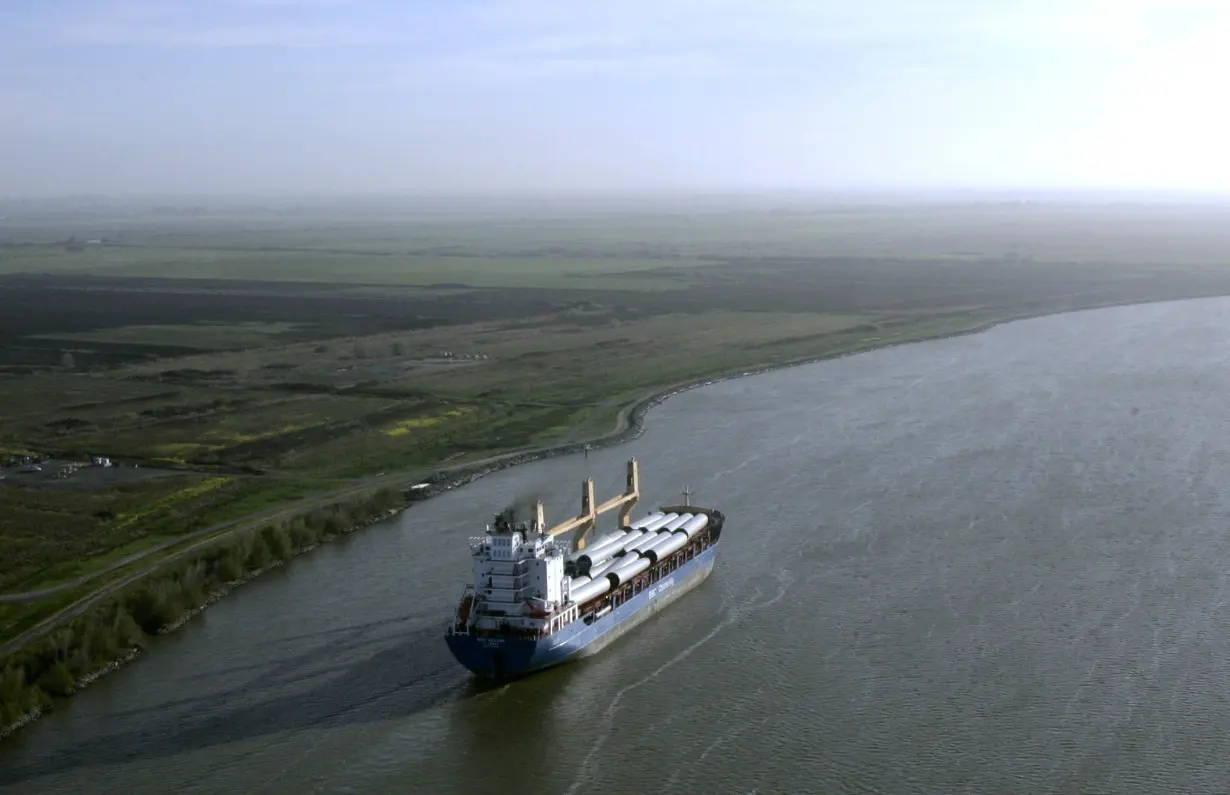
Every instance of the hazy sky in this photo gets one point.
(128, 96)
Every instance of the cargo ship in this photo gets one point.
(546, 596)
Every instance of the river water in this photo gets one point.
(996, 563)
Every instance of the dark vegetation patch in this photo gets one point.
(316, 313)
(122, 401)
(193, 409)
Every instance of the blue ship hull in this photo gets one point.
(505, 658)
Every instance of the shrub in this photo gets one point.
(277, 541)
(229, 566)
(193, 584)
(258, 553)
(58, 681)
(17, 695)
(301, 535)
(156, 605)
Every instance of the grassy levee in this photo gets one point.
(280, 379)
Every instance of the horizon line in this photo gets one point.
(915, 193)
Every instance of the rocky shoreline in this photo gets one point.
(21, 722)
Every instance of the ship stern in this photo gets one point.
(493, 657)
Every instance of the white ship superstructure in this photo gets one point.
(519, 580)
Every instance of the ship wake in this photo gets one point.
(734, 614)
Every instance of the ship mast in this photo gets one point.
(580, 525)
(687, 496)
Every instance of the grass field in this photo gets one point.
(279, 353)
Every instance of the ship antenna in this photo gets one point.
(687, 497)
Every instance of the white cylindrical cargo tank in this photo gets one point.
(601, 541)
(659, 522)
(590, 558)
(652, 536)
(614, 535)
(644, 520)
(605, 538)
(603, 567)
(577, 582)
(599, 551)
(631, 540)
(667, 546)
(643, 543)
(622, 573)
(591, 589)
(676, 523)
(696, 524)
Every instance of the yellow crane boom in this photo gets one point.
(587, 520)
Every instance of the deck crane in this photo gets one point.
(587, 520)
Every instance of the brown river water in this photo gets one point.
(996, 563)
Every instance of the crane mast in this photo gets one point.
(581, 525)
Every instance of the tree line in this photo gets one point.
(56, 665)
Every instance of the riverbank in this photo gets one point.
(113, 633)
(629, 425)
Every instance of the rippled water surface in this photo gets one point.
(989, 564)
